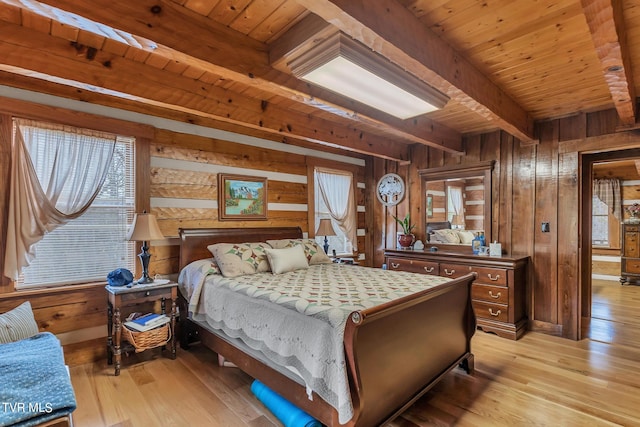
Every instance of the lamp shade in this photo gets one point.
(144, 228)
(325, 228)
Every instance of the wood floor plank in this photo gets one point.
(539, 380)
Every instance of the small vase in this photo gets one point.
(406, 240)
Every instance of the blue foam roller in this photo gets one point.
(285, 411)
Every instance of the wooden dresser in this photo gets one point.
(630, 263)
(498, 293)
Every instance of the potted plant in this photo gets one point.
(405, 239)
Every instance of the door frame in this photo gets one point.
(586, 161)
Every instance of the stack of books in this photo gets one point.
(147, 322)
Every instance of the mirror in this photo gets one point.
(457, 199)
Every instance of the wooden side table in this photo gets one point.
(119, 298)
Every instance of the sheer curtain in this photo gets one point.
(455, 199)
(56, 173)
(337, 192)
(608, 191)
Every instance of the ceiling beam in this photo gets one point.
(45, 57)
(390, 29)
(236, 57)
(606, 23)
(92, 97)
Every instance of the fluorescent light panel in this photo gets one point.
(343, 66)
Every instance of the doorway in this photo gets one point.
(606, 312)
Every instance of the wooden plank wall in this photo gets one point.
(532, 184)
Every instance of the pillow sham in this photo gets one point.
(18, 324)
(287, 259)
(238, 259)
(314, 253)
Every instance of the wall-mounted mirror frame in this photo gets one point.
(462, 171)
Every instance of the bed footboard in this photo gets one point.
(397, 351)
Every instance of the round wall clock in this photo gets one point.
(390, 189)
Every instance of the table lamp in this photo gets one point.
(325, 229)
(143, 229)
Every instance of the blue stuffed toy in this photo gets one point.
(119, 277)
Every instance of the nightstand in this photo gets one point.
(119, 299)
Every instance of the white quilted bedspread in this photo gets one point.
(297, 319)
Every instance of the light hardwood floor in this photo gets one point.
(539, 380)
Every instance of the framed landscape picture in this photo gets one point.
(242, 197)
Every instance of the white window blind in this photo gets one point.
(600, 223)
(87, 248)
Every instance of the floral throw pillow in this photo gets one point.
(237, 259)
(314, 253)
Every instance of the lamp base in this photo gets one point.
(144, 280)
(326, 245)
(144, 260)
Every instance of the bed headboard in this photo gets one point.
(438, 226)
(194, 241)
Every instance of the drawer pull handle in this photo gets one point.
(394, 265)
(146, 294)
(428, 269)
(496, 314)
(449, 273)
(495, 296)
(493, 278)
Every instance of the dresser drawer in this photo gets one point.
(631, 265)
(454, 270)
(487, 310)
(493, 294)
(149, 295)
(492, 276)
(412, 265)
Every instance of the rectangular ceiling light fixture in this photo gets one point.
(346, 67)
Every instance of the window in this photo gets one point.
(599, 223)
(337, 204)
(455, 210)
(87, 248)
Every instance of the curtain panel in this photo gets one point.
(608, 191)
(455, 195)
(337, 192)
(56, 173)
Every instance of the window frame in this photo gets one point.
(143, 134)
(314, 163)
(613, 232)
(76, 230)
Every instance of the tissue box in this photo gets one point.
(495, 249)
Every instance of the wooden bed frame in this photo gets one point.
(395, 352)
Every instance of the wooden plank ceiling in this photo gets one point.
(504, 64)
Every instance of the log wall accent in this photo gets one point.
(184, 179)
(176, 180)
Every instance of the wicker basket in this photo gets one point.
(148, 339)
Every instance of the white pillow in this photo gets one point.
(287, 259)
(314, 253)
(17, 324)
(466, 237)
